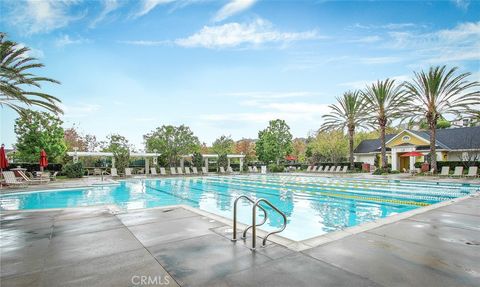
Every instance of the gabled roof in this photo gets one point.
(450, 139)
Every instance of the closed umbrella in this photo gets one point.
(3, 158)
(43, 160)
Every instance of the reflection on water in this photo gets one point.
(313, 206)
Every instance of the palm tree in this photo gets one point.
(16, 76)
(385, 102)
(349, 113)
(438, 93)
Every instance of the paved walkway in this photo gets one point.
(95, 247)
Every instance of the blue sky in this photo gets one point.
(227, 67)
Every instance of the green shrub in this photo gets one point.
(276, 167)
(73, 170)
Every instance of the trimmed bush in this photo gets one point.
(31, 167)
(276, 167)
(73, 170)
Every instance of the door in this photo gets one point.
(404, 163)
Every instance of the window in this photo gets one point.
(406, 138)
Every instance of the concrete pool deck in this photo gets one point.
(97, 246)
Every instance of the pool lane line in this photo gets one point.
(357, 192)
(357, 197)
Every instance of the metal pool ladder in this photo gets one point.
(254, 224)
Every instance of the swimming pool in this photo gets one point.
(313, 205)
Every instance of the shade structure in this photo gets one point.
(43, 159)
(412, 153)
(3, 158)
(290, 157)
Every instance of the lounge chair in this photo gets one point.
(309, 168)
(187, 170)
(314, 169)
(430, 172)
(128, 171)
(53, 177)
(344, 169)
(113, 172)
(458, 171)
(97, 171)
(33, 180)
(445, 171)
(162, 171)
(222, 170)
(153, 171)
(327, 169)
(338, 169)
(194, 170)
(10, 179)
(229, 169)
(179, 170)
(250, 169)
(472, 171)
(320, 168)
(173, 171)
(255, 170)
(204, 170)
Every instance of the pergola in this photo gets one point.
(77, 154)
(206, 157)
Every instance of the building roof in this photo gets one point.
(450, 139)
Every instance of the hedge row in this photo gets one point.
(31, 167)
(451, 164)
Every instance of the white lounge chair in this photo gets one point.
(113, 172)
(314, 169)
(472, 171)
(10, 179)
(194, 170)
(229, 169)
(222, 170)
(162, 171)
(250, 169)
(309, 168)
(255, 169)
(204, 170)
(320, 168)
(338, 169)
(445, 171)
(38, 180)
(173, 171)
(128, 171)
(153, 171)
(458, 171)
(53, 177)
(187, 170)
(179, 170)
(332, 169)
(344, 169)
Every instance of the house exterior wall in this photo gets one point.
(365, 158)
(461, 156)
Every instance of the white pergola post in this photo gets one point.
(394, 159)
(206, 163)
(241, 164)
(113, 161)
(228, 162)
(147, 165)
(412, 163)
(182, 162)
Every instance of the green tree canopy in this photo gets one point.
(120, 147)
(17, 79)
(172, 142)
(274, 142)
(37, 130)
(329, 146)
(223, 145)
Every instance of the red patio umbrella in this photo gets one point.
(3, 158)
(412, 153)
(43, 159)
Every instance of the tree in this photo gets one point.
(350, 113)
(17, 79)
(120, 147)
(385, 102)
(274, 142)
(197, 159)
(223, 145)
(37, 130)
(172, 142)
(247, 148)
(328, 146)
(299, 147)
(439, 92)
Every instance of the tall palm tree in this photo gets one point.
(16, 76)
(439, 92)
(385, 102)
(349, 113)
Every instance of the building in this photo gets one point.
(453, 144)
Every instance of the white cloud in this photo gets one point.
(65, 40)
(258, 95)
(236, 34)
(462, 4)
(232, 8)
(33, 16)
(362, 84)
(366, 39)
(379, 60)
(389, 26)
(79, 110)
(145, 43)
(149, 5)
(109, 6)
(35, 53)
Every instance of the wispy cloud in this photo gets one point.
(366, 39)
(79, 110)
(148, 5)
(462, 4)
(108, 7)
(389, 26)
(33, 16)
(65, 40)
(267, 95)
(379, 60)
(361, 84)
(254, 33)
(232, 8)
(145, 42)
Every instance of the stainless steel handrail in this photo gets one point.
(254, 215)
(235, 216)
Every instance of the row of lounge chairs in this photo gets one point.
(327, 169)
(458, 172)
(12, 180)
(173, 171)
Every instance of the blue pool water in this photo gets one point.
(313, 205)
